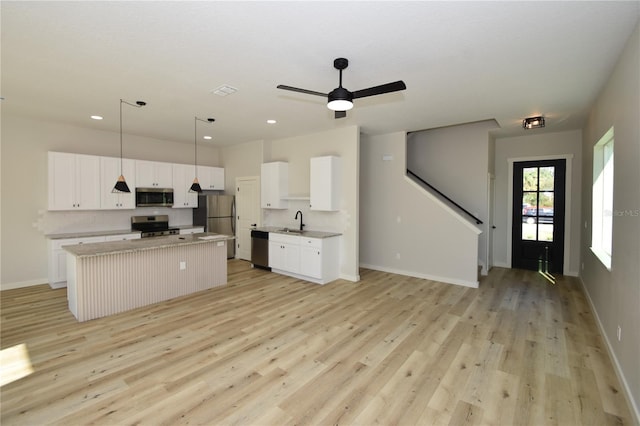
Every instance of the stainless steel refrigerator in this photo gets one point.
(217, 213)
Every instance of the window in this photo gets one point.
(601, 236)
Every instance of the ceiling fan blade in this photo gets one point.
(295, 89)
(378, 90)
(341, 114)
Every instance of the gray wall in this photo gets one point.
(615, 294)
(455, 160)
(403, 229)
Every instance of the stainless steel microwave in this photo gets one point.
(154, 197)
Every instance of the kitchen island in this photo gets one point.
(112, 277)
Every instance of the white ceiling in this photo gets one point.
(461, 62)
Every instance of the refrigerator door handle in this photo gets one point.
(233, 216)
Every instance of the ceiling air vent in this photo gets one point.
(224, 90)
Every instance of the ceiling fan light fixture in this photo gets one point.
(533, 122)
(340, 99)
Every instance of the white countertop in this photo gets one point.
(305, 233)
(85, 234)
(126, 246)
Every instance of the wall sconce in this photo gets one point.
(533, 122)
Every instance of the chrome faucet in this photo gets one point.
(301, 224)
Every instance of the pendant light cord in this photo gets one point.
(195, 142)
(121, 137)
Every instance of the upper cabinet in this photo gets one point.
(183, 175)
(74, 181)
(325, 183)
(274, 184)
(153, 174)
(109, 173)
(85, 182)
(211, 178)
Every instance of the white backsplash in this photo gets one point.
(60, 222)
(314, 220)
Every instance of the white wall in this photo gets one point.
(297, 151)
(533, 146)
(615, 294)
(455, 160)
(403, 230)
(24, 216)
(242, 160)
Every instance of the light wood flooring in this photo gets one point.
(273, 350)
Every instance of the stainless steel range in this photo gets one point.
(152, 226)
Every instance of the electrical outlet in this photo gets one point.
(583, 266)
(183, 266)
(397, 255)
(619, 333)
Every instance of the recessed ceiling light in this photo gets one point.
(96, 117)
(206, 137)
(271, 121)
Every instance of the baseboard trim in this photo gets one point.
(635, 411)
(20, 284)
(446, 280)
(348, 277)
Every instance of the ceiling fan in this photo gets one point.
(340, 99)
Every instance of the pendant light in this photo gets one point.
(121, 184)
(195, 186)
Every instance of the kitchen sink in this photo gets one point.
(290, 231)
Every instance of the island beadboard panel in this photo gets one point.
(116, 282)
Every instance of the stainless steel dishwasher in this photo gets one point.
(260, 249)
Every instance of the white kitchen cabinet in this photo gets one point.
(58, 258)
(154, 174)
(211, 178)
(74, 181)
(191, 231)
(325, 183)
(274, 185)
(319, 258)
(121, 237)
(109, 173)
(312, 259)
(183, 175)
(284, 252)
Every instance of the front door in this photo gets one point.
(538, 215)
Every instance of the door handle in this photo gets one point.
(254, 224)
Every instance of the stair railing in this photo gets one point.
(434, 189)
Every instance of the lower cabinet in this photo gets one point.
(58, 256)
(132, 236)
(191, 230)
(311, 259)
